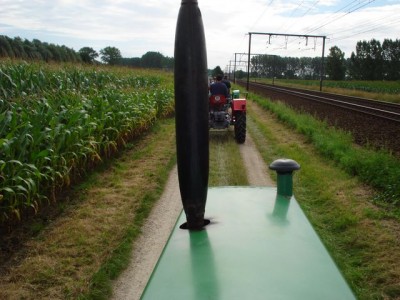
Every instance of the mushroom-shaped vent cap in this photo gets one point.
(284, 165)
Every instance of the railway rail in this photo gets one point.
(371, 122)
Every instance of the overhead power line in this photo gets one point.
(365, 30)
(347, 9)
(305, 13)
(352, 9)
(260, 16)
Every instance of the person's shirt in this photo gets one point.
(219, 88)
(227, 83)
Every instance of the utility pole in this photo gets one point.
(287, 35)
(248, 63)
(322, 66)
(234, 68)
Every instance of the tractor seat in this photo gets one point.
(218, 100)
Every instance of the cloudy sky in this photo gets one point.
(135, 27)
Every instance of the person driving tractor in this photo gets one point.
(227, 83)
(218, 87)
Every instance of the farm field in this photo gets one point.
(378, 90)
(77, 252)
(55, 123)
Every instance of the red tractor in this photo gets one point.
(224, 112)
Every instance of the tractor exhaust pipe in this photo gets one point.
(284, 169)
(191, 109)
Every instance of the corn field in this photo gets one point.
(56, 122)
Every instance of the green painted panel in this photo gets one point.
(258, 246)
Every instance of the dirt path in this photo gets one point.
(150, 244)
(256, 168)
(156, 231)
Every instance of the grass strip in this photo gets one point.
(226, 164)
(378, 169)
(361, 237)
(101, 285)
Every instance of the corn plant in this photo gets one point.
(56, 122)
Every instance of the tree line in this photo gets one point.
(19, 48)
(285, 67)
(371, 61)
(36, 50)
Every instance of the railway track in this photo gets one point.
(371, 122)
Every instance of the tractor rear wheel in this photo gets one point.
(240, 127)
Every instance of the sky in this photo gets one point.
(136, 27)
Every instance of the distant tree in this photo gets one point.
(55, 51)
(63, 53)
(129, 62)
(354, 67)
(292, 67)
(316, 65)
(285, 67)
(261, 65)
(257, 64)
(367, 61)
(88, 55)
(391, 59)
(152, 60)
(110, 55)
(168, 62)
(289, 74)
(377, 57)
(31, 49)
(135, 61)
(5, 47)
(240, 74)
(217, 70)
(36, 50)
(305, 70)
(335, 64)
(18, 48)
(43, 49)
(73, 55)
(279, 66)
